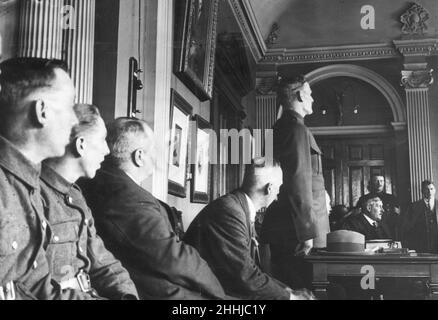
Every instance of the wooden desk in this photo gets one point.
(385, 266)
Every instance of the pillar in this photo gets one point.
(416, 79)
(78, 47)
(40, 32)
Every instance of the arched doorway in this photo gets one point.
(360, 123)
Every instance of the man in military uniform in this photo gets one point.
(391, 207)
(77, 256)
(36, 117)
(298, 221)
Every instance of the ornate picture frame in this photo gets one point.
(195, 44)
(180, 114)
(200, 164)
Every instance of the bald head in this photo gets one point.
(263, 180)
(125, 137)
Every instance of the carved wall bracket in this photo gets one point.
(414, 20)
(273, 36)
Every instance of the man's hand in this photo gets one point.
(303, 248)
(302, 294)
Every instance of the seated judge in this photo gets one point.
(420, 229)
(369, 221)
(136, 227)
(391, 206)
(225, 236)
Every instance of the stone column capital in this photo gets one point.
(266, 83)
(417, 79)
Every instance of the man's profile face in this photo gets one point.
(59, 101)
(96, 149)
(375, 210)
(429, 192)
(277, 182)
(378, 183)
(306, 97)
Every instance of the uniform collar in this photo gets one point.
(16, 163)
(291, 113)
(55, 180)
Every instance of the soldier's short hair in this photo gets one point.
(125, 135)
(20, 77)
(289, 88)
(88, 116)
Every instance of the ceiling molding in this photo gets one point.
(330, 54)
(247, 22)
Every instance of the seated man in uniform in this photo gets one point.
(136, 227)
(76, 254)
(225, 236)
(369, 221)
(36, 118)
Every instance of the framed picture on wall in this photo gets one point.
(195, 44)
(180, 114)
(199, 191)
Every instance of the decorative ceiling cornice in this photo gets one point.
(417, 47)
(245, 17)
(249, 27)
(329, 54)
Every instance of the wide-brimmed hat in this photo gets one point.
(344, 241)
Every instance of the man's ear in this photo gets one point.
(138, 158)
(268, 189)
(299, 96)
(80, 146)
(40, 111)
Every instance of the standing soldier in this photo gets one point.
(299, 221)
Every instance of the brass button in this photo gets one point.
(81, 250)
(86, 222)
(35, 264)
(15, 245)
(56, 238)
(69, 200)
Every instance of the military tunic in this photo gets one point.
(24, 231)
(74, 245)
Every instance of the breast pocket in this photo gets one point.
(62, 248)
(14, 234)
(316, 155)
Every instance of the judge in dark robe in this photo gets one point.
(391, 207)
(225, 236)
(369, 221)
(420, 228)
